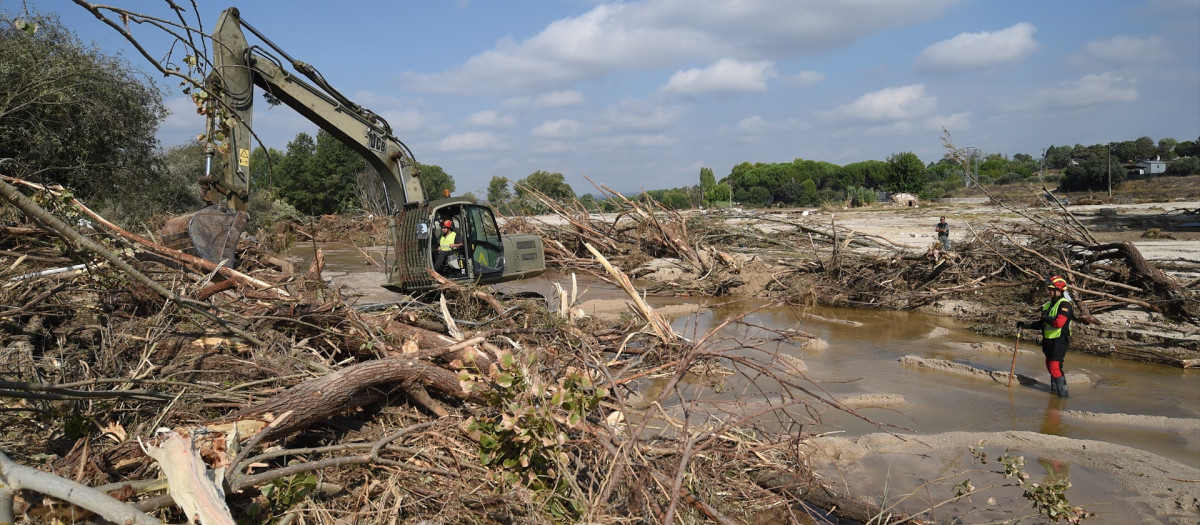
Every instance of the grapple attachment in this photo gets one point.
(211, 233)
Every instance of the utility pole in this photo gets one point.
(1109, 166)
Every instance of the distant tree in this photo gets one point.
(718, 195)
(435, 181)
(1022, 157)
(869, 174)
(1144, 148)
(292, 171)
(707, 179)
(262, 161)
(1057, 157)
(1166, 149)
(498, 193)
(588, 201)
(757, 196)
(1091, 172)
(906, 173)
(72, 115)
(1188, 148)
(1126, 151)
(1184, 166)
(553, 185)
(993, 166)
(331, 175)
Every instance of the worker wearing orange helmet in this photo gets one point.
(1055, 325)
(446, 246)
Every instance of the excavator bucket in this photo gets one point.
(211, 233)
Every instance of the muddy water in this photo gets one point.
(862, 358)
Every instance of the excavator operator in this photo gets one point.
(446, 246)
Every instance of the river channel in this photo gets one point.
(862, 358)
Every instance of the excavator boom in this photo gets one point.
(212, 233)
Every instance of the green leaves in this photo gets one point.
(526, 428)
(30, 28)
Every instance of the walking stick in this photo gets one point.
(1013, 367)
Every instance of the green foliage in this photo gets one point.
(860, 196)
(280, 495)
(718, 195)
(707, 179)
(868, 174)
(498, 193)
(906, 173)
(553, 185)
(1184, 167)
(1049, 498)
(675, 198)
(522, 435)
(435, 181)
(75, 116)
(262, 163)
(319, 177)
(1091, 171)
(266, 208)
(1166, 148)
(1188, 148)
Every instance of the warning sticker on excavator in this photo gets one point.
(244, 157)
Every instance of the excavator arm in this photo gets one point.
(484, 255)
(238, 67)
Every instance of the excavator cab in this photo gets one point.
(486, 257)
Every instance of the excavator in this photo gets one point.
(482, 254)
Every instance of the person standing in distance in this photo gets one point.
(1055, 325)
(943, 233)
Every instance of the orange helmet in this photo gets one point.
(1056, 282)
(447, 224)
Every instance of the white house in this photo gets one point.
(1151, 167)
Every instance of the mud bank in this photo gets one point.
(1117, 483)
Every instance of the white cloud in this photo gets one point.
(1125, 50)
(406, 121)
(490, 119)
(723, 77)
(895, 103)
(977, 51)
(471, 141)
(755, 125)
(889, 130)
(654, 34)
(639, 114)
(627, 141)
(558, 129)
(1090, 90)
(805, 79)
(558, 99)
(957, 122)
(516, 103)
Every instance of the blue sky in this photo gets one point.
(642, 94)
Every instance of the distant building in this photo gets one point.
(1150, 167)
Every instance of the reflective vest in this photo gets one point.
(447, 240)
(1050, 311)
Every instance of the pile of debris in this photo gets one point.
(261, 395)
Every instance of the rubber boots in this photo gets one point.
(1059, 385)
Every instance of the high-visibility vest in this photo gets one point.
(447, 240)
(1050, 311)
